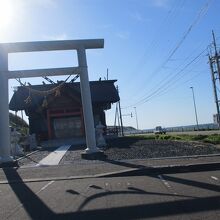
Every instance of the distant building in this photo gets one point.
(55, 110)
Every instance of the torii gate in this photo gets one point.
(82, 70)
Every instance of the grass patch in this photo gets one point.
(213, 138)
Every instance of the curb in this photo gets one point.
(15, 161)
(27, 155)
(181, 157)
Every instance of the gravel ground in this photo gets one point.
(73, 155)
(127, 148)
(35, 157)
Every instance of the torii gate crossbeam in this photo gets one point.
(82, 70)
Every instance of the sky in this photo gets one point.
(156, 49)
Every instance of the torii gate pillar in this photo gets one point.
(5, 75)
(86, 102)
(4, 110)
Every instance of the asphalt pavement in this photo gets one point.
(131, 189)
(158, 196)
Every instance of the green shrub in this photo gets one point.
(213, 139)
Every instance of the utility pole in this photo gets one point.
(216, 57)
(136, 117)
(215, 74)
(214, 89)
(195, 108)
(122, 129)
(119, 105)
(116, 117)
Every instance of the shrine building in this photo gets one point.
(55, 110)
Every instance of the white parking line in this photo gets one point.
(167, 184)
(55, 157)
(214, 178)
(44, 187)
(164, 181)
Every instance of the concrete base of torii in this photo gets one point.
(99, 155)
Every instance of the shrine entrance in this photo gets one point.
(65, 123)
(80, 46)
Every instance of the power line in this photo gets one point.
(161, 82)
(166, 83)
(201, 13)
(165, 91)
(153, 45)
(171, 88)
(199, 16)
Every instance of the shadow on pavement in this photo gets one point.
(193, 183)
(34, 206)
(149, 210)
(131, 190)
(37, 209)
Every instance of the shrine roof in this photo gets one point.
(102, 91)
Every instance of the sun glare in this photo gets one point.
(6, 13)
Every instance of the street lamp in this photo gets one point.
(194, 102)
(136, 117)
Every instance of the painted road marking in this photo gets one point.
(167, 184)
(214, 178)
(55, 157)
(44, 187)
(164, 181)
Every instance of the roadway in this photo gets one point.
(208, 132)
(161, 196)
